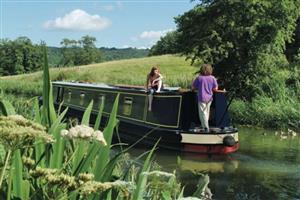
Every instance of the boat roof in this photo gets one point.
(113, 87)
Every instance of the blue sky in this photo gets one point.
(129, 23)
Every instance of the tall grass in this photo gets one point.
(277, 105)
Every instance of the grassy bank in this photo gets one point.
(175, 69)
(277, 105)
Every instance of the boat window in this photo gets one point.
(60, 94)
(127, 106)
(101, 99)
(69, 95)
(81, 99)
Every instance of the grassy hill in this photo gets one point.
(176, 72)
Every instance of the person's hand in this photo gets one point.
(220, 91)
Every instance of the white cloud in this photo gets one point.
(78, 20)
(153, 35)
(149, 38)
(143, 47)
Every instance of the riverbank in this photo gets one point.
(277, 103)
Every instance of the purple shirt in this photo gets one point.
(205, 86)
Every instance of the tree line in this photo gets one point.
(246, 41)
(22, 56)
(80, 52)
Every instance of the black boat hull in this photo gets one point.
(146, 136)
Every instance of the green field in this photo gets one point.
(176, 71)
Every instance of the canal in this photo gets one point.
(267, 166)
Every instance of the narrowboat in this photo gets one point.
(173, 119)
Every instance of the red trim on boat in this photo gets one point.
(214, 149)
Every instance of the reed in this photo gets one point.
(277, 104)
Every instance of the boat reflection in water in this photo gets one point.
(173, 119)
(192, 168)
(193, 163)
(209, 166)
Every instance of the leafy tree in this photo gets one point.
(91, 54)
(19, 56)
(68, 49)
(124, 53)
(293, 48)
(88, 42)
(166, 45)
(245, 40)
(80, 52)
(55, 56)
(31, 54)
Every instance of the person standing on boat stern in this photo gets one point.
(205, 84)
(153, 84)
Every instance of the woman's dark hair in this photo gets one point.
(152, 71)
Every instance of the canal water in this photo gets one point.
(267, 166)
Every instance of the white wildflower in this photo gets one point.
(73, 133)
(159, 174)
(83, 132)
(85, 177)
(17, 118)
(17, 132)
(93, 186)
(64, 133)
(99, 137)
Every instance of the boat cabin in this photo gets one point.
(173, 118)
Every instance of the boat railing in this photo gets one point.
(142, 88)
(166, 89)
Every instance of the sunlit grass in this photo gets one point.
(176, 71)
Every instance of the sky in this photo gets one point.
(120, 24)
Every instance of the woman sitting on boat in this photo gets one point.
(153, 84)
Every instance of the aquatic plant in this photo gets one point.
(17, 132)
